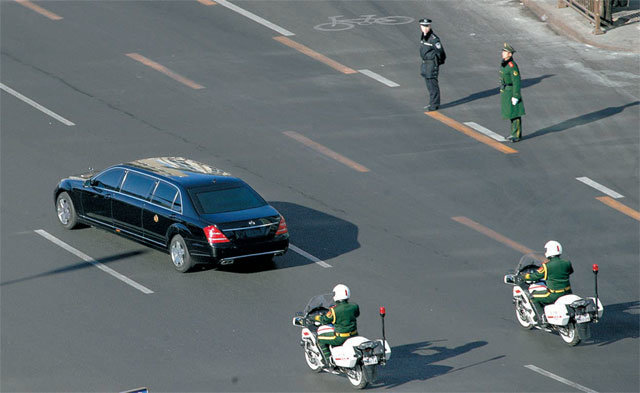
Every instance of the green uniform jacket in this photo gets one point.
(343, 317)
(510, 87)
(556, 273)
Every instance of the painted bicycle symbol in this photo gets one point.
(337, 24)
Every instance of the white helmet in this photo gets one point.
(552, 249)
(341, 292)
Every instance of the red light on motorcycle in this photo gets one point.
(595, 268)
(383, 312)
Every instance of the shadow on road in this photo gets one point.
(76, 267)
(415, 362)
(582, 120)
(322, 235)
(491, 92)
(618, 322)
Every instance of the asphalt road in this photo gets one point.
(227, 95)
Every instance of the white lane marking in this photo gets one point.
(485, 131)
(255, 17)
(379, 78)
(36, 105)
(92, 261)
(600, 187)
(559, 379)
(309, 256)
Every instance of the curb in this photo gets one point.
(557, 25)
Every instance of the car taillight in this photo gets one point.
(214, 235)
(282, 227)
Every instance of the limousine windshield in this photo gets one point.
(211, 200)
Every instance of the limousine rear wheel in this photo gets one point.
(180, 256)
(66, 211)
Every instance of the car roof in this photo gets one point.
(183, 171)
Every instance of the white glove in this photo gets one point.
(514, 100)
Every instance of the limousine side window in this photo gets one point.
(109, 180)
(137, 185)
(164, 195)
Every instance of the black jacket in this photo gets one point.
(432, 54)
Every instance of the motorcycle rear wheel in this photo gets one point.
(569, 334)
(523, 319)
(313, 361)
(357, 377)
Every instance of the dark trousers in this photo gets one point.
(434, 92)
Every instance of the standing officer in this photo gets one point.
(343, 317)
(510, 97)
(433, 56)
(556, 273)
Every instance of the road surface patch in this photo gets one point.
(39, 10)
(92, 261)
(36, 105)
(160, 68)
(469, 132)
(326, 151)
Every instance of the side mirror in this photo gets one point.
(297, 321)
(509, 279)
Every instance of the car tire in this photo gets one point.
(66, 211)
(180, 256)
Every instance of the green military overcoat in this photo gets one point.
(510, 87)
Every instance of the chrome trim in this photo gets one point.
(111, 226)
(253, 227)
(230, 260)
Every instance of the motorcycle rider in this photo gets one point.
(343, 317)
(555, 272)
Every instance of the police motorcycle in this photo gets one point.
(357, 358)
(570, 315)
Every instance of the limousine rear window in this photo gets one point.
(164, 195)
(215, 200)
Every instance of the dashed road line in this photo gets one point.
(492, 234)
(469, 132)
(600, 187)
(559, 379)
(207, 2)
(36, 105)
(326, 151)
(92, 261)
(255, 17)
(485, 131)
(309, 256)
(379, 78)
(622, 208)
(315, 55)
(160, 68)
(39, 10)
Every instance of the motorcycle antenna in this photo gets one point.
(595, 276)
(383, 312)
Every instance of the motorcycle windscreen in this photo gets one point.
(530, 261)
(319, 303)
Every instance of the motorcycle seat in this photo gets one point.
(538, 287)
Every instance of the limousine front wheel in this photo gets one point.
(180, 256)
(66, 211)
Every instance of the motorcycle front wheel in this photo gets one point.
(569, 334)
(357, 377)
(522, 317)
(313, 361)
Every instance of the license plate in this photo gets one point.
(583, 318)
(368, 361)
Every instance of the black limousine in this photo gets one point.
(194, 211)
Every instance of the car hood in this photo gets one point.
(83, 176)
(240, 215)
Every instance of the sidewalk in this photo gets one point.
(624, 36)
